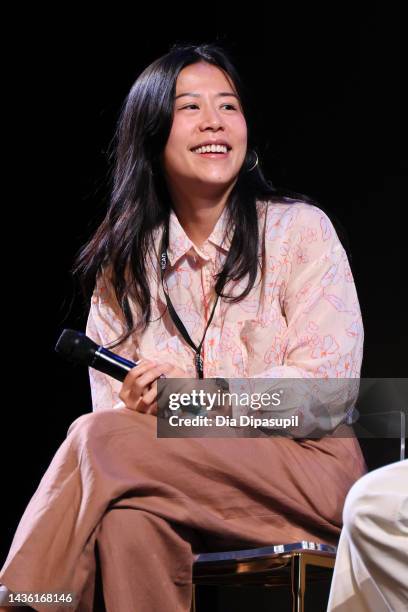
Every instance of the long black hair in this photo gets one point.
(140, 201)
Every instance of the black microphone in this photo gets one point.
(78, 348)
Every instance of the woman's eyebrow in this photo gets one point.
(196, 95)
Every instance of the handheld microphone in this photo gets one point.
(76, 347)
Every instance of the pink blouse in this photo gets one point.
(302, 320)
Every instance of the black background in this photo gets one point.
(328, 85)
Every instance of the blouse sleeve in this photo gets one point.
(324, 335)
(324, 324)
(104, 325)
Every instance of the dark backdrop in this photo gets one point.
(327, 83)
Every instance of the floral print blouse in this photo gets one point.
(301, 320)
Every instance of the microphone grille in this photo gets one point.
(76, 346)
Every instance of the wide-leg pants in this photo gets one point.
(371, 571)
(152, 504)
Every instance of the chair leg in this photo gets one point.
(193, 600)
(298, 578)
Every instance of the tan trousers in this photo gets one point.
(152, 504)
(371, 571)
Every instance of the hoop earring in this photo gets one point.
(256, 163)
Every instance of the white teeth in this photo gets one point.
(211, 149)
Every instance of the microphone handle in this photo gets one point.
(117, 368)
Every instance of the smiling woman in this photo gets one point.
(206, 147)
(201, 268)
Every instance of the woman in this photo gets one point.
(287, 308)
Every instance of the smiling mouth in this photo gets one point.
(213, 154)
(220, 150)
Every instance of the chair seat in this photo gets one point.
(268, 566)
(275, 549)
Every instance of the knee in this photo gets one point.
(363, 509)
(91, 421)
(107, 421)
(353, 511)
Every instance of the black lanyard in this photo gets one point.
(199, 363)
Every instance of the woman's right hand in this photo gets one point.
(139, 389)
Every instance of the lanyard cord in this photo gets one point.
(199, 363)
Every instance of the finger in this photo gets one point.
(173, 371)
(152, 409)
(149, 376)
(150, 395)
(146, 404)
(137, 386)
(137, 371)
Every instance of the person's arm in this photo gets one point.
(104, 325)
(324, 325)
(324, 336)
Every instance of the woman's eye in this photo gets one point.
(195, 106)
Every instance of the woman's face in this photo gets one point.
(206, 110)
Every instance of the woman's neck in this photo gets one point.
(199, 224)
(199, 216)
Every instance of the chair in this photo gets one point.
(268, 566)
(286, 564)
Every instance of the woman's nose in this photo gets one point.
(210, 118)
